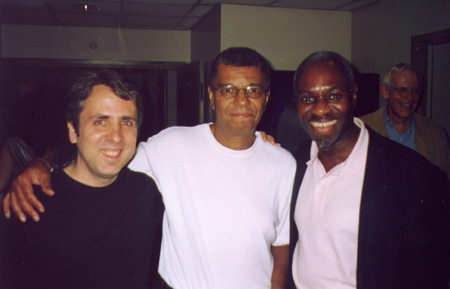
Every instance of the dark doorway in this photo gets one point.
(430, 55)
(55, 77)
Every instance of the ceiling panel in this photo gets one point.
(72, 19)
(141, 14)
(156, 9)
(77, 9)
(241, 2)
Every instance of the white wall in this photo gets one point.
(381, 32)
(285, 36)
(22, 41)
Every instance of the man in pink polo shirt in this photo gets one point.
(366, 212)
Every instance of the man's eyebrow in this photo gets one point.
(250, 84)
(126, 117)
(100, 116)
(106, 116)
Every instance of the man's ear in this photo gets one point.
(72, 133)
(384, 89)
(211, 97)
(266, 100)
(354, 95)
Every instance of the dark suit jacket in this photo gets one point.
(404, 218)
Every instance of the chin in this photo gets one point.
(243, 128)
(324, 143)
(111, 172)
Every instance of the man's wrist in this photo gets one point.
(50, 167)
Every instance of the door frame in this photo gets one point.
(419, 58)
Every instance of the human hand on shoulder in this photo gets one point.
(20, 196)
(268, 138)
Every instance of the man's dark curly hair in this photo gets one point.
(82, 88)
(241, 57)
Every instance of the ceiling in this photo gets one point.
(141, 14)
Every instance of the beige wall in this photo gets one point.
(285, 36)
(381, 33)
(21, 41)
(205, 37)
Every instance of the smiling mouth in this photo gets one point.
(111, 153)
(323, 124)
(408, 105)
(244, 115)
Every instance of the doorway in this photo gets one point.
(54, 77)
(430, 54)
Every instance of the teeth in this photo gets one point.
(111, 153)
(406, 104)
(323, 124)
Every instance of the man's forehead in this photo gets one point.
(103, 90)
(405, 76)
(321, 88)
(231, 66)
(327, 66)
(103, 98)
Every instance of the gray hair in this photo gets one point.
(398, 68)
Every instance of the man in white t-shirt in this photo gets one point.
(226, 192)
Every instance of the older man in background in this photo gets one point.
(402, 89)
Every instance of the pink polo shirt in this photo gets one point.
(327, 218)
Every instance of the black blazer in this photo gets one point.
(404, 220)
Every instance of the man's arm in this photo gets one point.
(21, 197)
(6, 167)
(280, 266)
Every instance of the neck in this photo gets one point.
(76, 172)
(400, 124)
(339, 152)
(233, 141)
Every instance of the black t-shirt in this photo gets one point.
(87, 238)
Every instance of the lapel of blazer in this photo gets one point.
(369, 211)
(301, 156)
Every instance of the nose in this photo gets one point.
(115, 133)
(409, 95)
(241, 97)
(321, 107)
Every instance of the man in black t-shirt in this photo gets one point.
(99, 228)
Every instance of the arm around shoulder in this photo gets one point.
(21, 197)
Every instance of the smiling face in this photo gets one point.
(402, 96)
(240, 115)
(107, 137)
(325, 103)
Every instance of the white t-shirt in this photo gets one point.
(224, 208)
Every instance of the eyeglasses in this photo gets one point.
(403, 90)
(230, 91)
